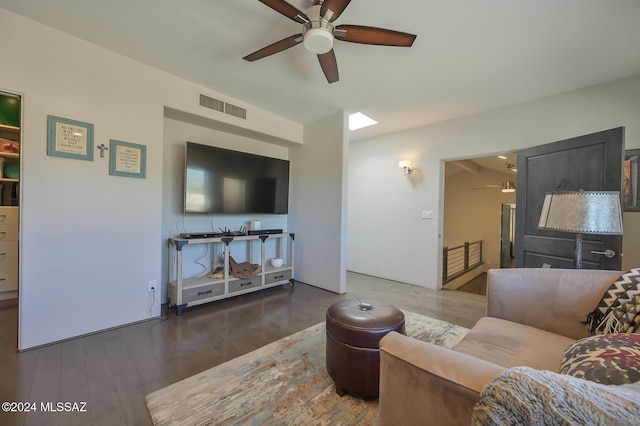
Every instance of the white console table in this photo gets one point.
(185, 293)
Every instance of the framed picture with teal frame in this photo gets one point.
(127, 159)
(69, 138)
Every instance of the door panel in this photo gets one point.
(592, 163)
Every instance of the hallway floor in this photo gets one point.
(478, 285)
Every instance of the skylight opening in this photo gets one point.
(358, 120)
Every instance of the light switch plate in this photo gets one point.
(427, 214)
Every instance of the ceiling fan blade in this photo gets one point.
(373, 35)
(287, 10)
(276, 47)
(336, 6)
(329, 66)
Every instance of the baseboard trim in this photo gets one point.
(159, 317)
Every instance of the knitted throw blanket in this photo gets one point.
(619, 308)
(525, 396)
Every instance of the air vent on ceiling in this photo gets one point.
(236, 111)
(211, 103)
(220, 106)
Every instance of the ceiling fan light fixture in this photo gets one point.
(509, 186)
(318, 40)
(318, 33)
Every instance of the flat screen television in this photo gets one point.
(219, 180)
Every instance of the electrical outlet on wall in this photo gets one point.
(152, 285)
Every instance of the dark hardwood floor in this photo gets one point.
(113, 371)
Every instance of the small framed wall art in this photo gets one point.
(127, 159)
(69, 138)
(631, 190)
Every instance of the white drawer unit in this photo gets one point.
(8, 278)
(9, 232)
(187, 292)
(8, 215)
(8, 251)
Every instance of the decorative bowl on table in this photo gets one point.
(277, 262)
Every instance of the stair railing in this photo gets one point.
(459, 260)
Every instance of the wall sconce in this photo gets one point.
(406, 166)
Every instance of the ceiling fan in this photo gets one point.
(506, 186)
(318, 33)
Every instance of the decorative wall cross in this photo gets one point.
(102, 147)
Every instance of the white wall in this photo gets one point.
(318, 210)
(90, 242)
(631, 240)
(387, 238)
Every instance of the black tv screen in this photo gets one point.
(219, 180)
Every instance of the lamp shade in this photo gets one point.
(582, 212)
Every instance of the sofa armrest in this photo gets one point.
(555, 300)
(424, 383)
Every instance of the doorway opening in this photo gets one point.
(508, 235)
(476, 190)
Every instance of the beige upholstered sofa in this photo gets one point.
(532, 316)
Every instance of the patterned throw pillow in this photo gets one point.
(618, 309)
(610, 359)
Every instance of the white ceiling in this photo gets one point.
(475, 165)
(469, 55)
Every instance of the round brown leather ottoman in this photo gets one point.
(354, 329)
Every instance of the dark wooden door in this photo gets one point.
(592, 163)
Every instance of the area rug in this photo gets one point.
(282, 383)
